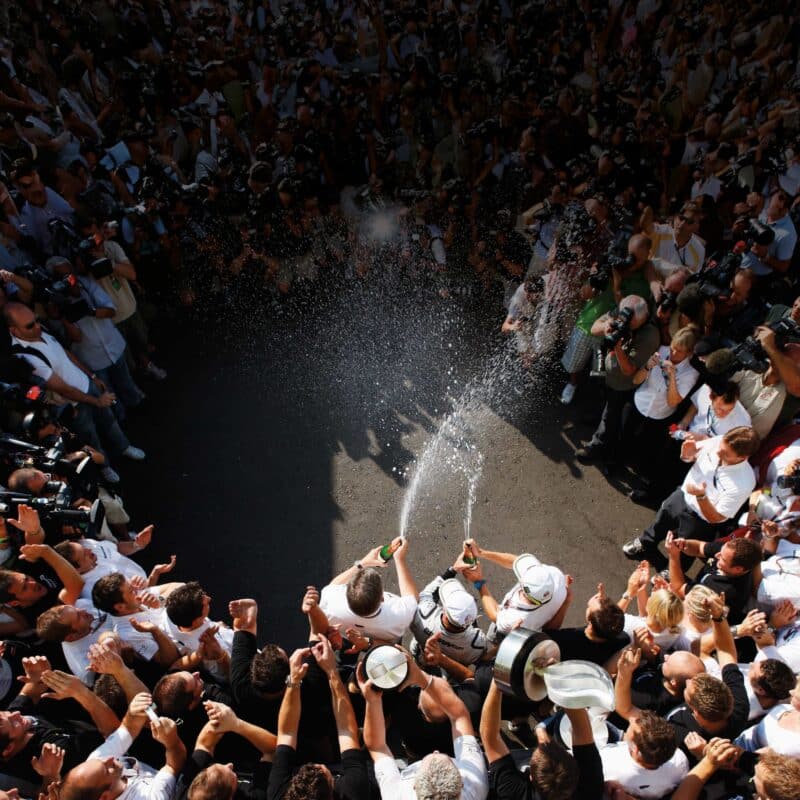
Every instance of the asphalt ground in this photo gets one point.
(282, 444)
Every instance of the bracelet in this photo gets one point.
(700, 497)
(720, 619)
(626, 596)
(735, 631)
(358, 565)
(479, 584)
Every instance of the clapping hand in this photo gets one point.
(49, 763)
(243, 613)
(310, 599)
(223, 719)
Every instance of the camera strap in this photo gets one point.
(30, 351)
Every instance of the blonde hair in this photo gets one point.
(666, 608)
(694, 602)
(685, 338)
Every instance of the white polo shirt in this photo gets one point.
(650, 398)
(389, 622)
(668, 257)
(109, 560)
(59, 361)
(707, 423)
(469, 758)
(619, 766)
(727, 486)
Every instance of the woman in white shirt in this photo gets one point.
(713, 414)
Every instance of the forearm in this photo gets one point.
(345, 577)
(375, 730)
(346, 725)
(175, 756)
(129, 682)
(105, 720)
(318, 622)
(692, 785)
(490, 725)
(708, 511)
(67, 574)
(208, 739)
(677, 580)
(787, 370)
(622, 695)
(264, 741)
(456, 670)
(673, 396)
(408, 587)
(503, 559)
(167, 650)
(626, 366)
(724, 641)
(289, 716)
(489, 603)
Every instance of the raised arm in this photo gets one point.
(62, 686)
(346, 725)
(629, 660)
(493, 744)
(289, 715)
(408, 587)
(67, 574)
(223, 719)
(374, 721)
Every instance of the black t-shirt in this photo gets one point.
(648, 692)
(572, 643)
(737, 589)
(684, 722)
(506, 782)
(351, 779)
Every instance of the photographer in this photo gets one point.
(675, 245)
(631, 340)
(777, 257)
(611, 279)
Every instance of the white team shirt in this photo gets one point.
(109, 560)
(619, 766)
(397, 785)
(76, 653)
(390, 622)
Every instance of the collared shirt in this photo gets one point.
(668, 256)
(60, 363)
(76, 652)
(101, 344)
(36, 219)
(727, 485)
(651, 397)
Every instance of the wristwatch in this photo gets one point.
(290, 684)
(721, 617)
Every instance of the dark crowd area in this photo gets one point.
(612, 188)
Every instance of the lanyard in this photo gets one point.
(681, 256)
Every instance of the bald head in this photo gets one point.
(638, 305)
(639, 246)
(679, 667)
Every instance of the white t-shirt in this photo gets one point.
(59, 361)
(756, 709)
(619, 766)
(768, 733)
(727, 486)
(397, 785)
(389, 622)
(667, 256)
(189, 641)
(707, 423)
(77, 653)
(143, 643)
(780, 580)
(109, 560)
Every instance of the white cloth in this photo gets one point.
(707, 423)
(397, 785)
(189, 641)
(769, 733)
(779, 580)
(60, 364)
(76, 653)
(667, 256)
(143, 643)
(389, 622)
(727, 486)
(109, 560)
(787, 646)
(650, 398)
(619, 766)
(515, 606)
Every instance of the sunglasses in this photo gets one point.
(689, 220)
(27, 185)
(30, 326)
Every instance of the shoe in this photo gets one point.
(110, 475)
(587, 454)
(568, 394)
(634, 548)
(155, 371)
(134, 453)
(640, 495)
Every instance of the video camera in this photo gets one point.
(620, 327)
(790, 481)
(610, 260)
(758, 233)
(751, 355)
(714, 279)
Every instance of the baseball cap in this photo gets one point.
(536, 579)
(458, 603)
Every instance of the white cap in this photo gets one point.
(536, 579)
(458, 603)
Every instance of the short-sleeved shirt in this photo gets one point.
(397, 785)
(668, 257)
(572, 643)
(143, 643)
(515, 609)
(642, 344)
(101, 343)
(57, 361)
(117, 288)
(76, 652)
(390, 622)
(109, 560)
(595, 307)
(649, 784)
(727, 485)
(650, 398)
(707, 423)
(737, 588)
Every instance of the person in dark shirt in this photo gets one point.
(554, 773)
(353, 783)
(713, 708)
(658, 687)
(728, 571)
(600, 639)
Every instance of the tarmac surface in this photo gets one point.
(281, 446)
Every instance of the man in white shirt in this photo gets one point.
(647, 762)
(676, 245)
(714, 489)
(64, 375)
(95, 559)
(464, 777)
(355, 598)
(105, 775)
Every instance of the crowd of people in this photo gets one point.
(622, 178)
